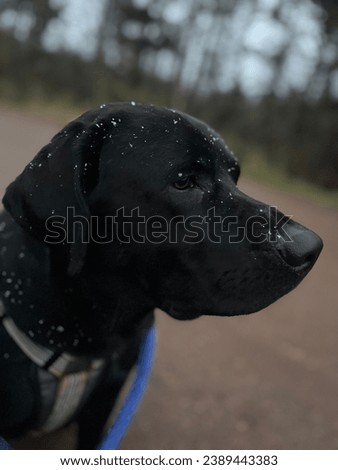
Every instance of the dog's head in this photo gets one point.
(193, 241)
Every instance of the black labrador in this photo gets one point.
(128, 208)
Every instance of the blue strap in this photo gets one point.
(4, 445)
(134, 397)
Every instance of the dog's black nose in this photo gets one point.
(303, 247)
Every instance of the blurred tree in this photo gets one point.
(327, 67)
(132, 35)
(38, 13)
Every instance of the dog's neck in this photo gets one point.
(109, 308)
(85, 315)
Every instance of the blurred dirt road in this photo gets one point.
(265, 381)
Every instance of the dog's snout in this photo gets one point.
(303, 248)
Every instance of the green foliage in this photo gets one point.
(256, 166)
(293, 135)
(54, 76)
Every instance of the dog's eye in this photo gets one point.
(185, 183)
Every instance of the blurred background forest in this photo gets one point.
(264, 73)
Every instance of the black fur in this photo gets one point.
(103, 295)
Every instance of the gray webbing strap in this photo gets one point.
(71, 386)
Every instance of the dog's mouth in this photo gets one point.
(253, 280)
(179, 312)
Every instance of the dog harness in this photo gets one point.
(65, 381)
(74, 378)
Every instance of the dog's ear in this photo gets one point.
(61, 176)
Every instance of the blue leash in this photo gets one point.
(133, 399)
(135, 395)
(4, 445)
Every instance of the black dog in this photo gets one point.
(75, 308)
